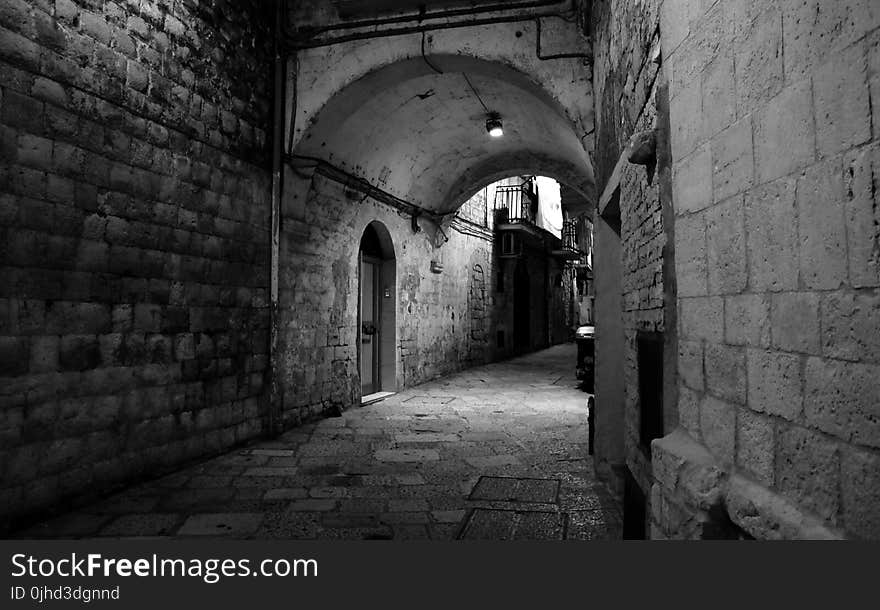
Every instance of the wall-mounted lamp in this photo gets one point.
(494, 126)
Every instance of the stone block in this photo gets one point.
(841, 398)
(747, 320)
(690, 364)
(674, 24)
(726, 248)
(821, 227)
(758, 58)
(861, 170)
(785, 138)
(147, 318)
(44, 354)
(686, 123)
(184, 346)
(689, 410)
(808, 471)
(690, 255)
(692, 181)
(64, 317)
(733, 160)
(850, 323)
(13, 356)
(702, 318)
(726, 372)
(816, 30)
(719, 95)
(756, 445)
(29, 316)
(771, 237)
(774, 383)
(79, 353)
(718, 427)
(768, 516)
(795, 321)
(843, 108)
(860, 492)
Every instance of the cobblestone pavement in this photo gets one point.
(497, 452)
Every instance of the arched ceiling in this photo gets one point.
(420, 134)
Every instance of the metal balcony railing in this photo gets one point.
(515, 204)
(569, 235)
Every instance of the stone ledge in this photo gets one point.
(685, 468)
(690, 480)
(766, 515)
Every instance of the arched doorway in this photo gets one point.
(377, 336)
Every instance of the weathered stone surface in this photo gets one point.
(785, 138)
(862, 208)
(733, 160)
(221, 525)
(795, 321)
(725, 239)
(849, 326)
(120, 243)
(718, 428)
(690, 363)
(702, 318)
(772, 243)
(821, 228)
(693, 180)
(775, 384)
(726, 372)
(755, 445)
(808, 471)
(860, 492)
(758, 56)
(840, 398)
(747, 320)
(690, 256)
(766, 515)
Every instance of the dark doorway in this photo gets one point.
(376, 311)
(634, 509)
(650, 368)
(521, 307)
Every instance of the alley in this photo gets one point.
(499, 452)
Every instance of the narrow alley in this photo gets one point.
(497, 452)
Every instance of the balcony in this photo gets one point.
(515, 207)
(567, 250)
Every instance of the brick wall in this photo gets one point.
(775, 149)
(133, 240)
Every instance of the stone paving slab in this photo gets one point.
(235, 525)
(496, 452)
(513, 489)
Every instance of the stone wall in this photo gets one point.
(627, 85)
(133, 240)
(775, 150)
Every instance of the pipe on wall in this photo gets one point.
(422, 16)
(311, 42)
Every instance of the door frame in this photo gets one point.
(376, 341)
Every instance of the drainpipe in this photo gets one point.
(275, 398)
